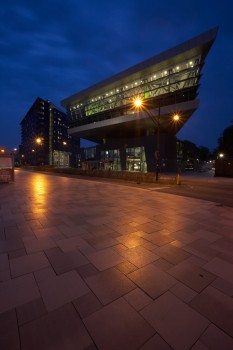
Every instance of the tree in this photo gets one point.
(203, 153)
(225, 142)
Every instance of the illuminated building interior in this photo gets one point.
(167, 83)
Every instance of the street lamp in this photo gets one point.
(38, 143)
(139, 104)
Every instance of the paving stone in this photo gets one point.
(18, 291)
(192, 276)
(44, 274)
(87, 270)
(152, 280)
(118, 326)
(172, 254)
(183, 292)
(184, 236)
(159, 238)
(87, 304)
(17, 253)
(60, 329)
(200, 346)
(10, 245)
(33, 245)
(216, 339)
(138, 299)
(215, 306)
(105, 259)
(126, 267)
(64, 262)
(139, 256)
(131, 240)
(149, 227)
(224, 286)
(59, 290)
(102, 242)
(9, 335)
(178, 324)
(163, 264)
(110, 285)
(30, 311)
(4, 268)
(28, 263)
(220, 268)
(155, 343)
(223, 245)
(202, 249)
(70, 244)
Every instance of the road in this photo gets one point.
(203, 186)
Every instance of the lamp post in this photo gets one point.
(138, 103)
(38, 143)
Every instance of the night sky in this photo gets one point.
(55, 48)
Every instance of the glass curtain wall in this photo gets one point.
(110, 160)
(136, 159)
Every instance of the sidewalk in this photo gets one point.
(95, 265)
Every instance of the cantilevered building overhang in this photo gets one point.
(168, 83)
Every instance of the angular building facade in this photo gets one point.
(130, 138)
(44, 136)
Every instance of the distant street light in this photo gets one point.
(139, 104)
(38, 140)
(39, 143)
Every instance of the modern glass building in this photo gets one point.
(130, 138)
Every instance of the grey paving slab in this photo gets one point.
(224, 286)
(28, 263)
(33, 245)
(172, 254)
(152, 280)
(9, 334)
(105, 259)
(111, 253)
(18, 291)
(87, 304)
(138, 299)
(183, 292)
(155, 343)
(220, 268)
(110, 285)
(10, 245)
(30, 311)
(192, 275)
(178, 324)
(64, 262)
(139, 256)
(59, 290)
(202, 249)
(118, 326)
(215, 306)
(60, 329)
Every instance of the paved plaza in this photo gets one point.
(96, 265)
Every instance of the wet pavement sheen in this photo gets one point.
(88, 264)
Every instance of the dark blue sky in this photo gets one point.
(55, 48)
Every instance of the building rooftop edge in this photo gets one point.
(199, 40)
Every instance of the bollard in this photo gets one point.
(178, 182)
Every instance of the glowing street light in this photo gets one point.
(139, 104)
(38, 140)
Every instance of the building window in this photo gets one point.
(136, 159)
(110, 160)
